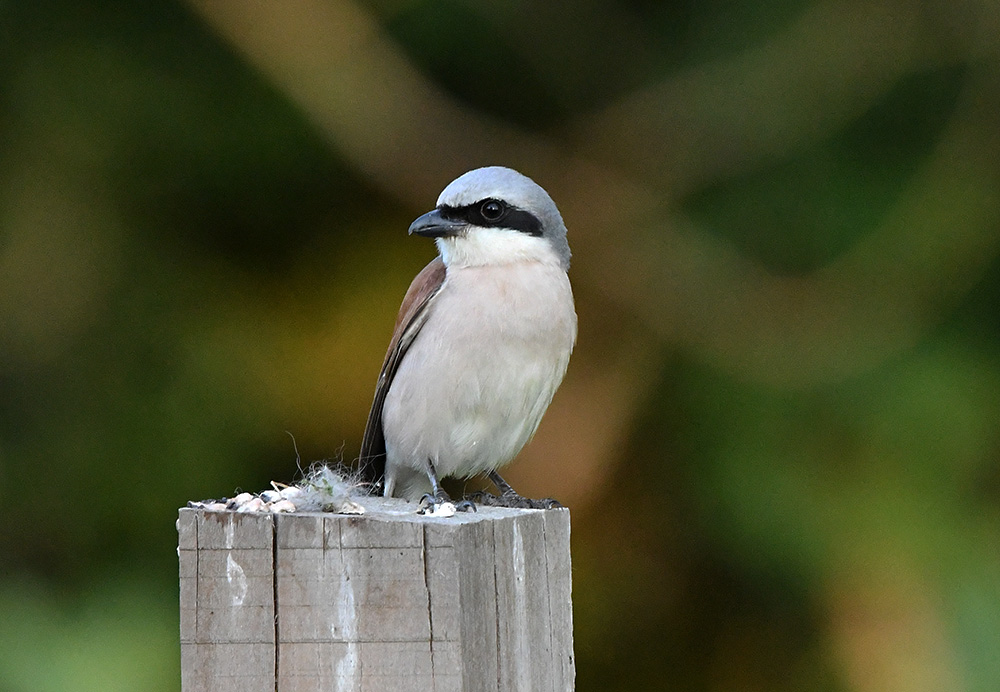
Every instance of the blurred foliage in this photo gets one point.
(779, 433)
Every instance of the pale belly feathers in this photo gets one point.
(509, 331)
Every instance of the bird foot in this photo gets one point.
(513, 500)
(435, 507)
(432, 506)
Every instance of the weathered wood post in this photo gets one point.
(389, 600)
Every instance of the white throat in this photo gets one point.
(480, 247)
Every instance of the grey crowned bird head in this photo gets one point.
(498, 198)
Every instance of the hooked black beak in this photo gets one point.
(434, 225)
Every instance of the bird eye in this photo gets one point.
(492, 210)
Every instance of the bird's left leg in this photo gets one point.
(509, 497)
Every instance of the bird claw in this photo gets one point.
(431, 506)
(543, 503)
(514, 501)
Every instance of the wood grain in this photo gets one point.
(389, 600)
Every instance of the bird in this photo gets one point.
(481, 343)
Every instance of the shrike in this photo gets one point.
(482, 339)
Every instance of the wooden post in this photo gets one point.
(389, 600)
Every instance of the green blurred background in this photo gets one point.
(780, 432)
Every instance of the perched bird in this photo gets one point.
(481, 343)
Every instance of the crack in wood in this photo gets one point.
(274, 591)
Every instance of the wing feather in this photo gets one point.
(412, 314)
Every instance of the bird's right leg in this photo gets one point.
(439, 495)
(430, 503)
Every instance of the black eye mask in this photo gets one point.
(494, 213)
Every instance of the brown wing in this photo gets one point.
(412, 315)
